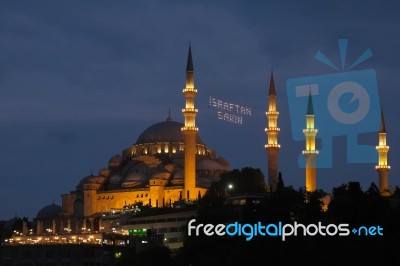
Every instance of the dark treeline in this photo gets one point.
(349, 204)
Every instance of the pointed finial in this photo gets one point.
(272, 85)
(383, 126)
(310, 107)
(189, 66)
(169, 115)
(91, 172)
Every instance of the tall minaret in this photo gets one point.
(310, 152)
(190, 132)
(383, 167)
(272, 131)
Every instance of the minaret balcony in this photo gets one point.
(190, 110)
(272, 113)
(189, 90)
(272, 146)
(306, 152)
(382, 148)
(387, 167)
(310, 130)
(272, 129)
(189, 129)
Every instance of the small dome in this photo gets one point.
(134, 166)
(115, 160)
(168, 131)
(209, 165)
(170, 167)
(115, 179)
(223, 161)
(161, 175)
(178, 178)
(49, 212)
(134, 179)
(85, 180)
(90, 179)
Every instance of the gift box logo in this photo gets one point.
(345, 104)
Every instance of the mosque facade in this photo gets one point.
(168, 163)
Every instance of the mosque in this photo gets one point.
(169, 163)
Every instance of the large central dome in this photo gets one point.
(168, 131)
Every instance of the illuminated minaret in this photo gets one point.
(190, 132)
(272, 131)
(310, 152)
(383, 167)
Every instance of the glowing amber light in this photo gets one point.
(383, 168)
(310, 153)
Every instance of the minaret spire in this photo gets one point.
(310, 107)
(190, 132)
(310, 152)
(272, 147)
(272, 91)
(383, 167)
(383, 126)
(189, 65)
(169, 118)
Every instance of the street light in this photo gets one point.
(228, 189)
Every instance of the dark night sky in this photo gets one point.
(80, 80)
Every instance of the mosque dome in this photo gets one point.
(223, 162)
(133, 179)
(168, 131)
(90, 179)
(115, 161)
(178, 178)
(49, 212)
(161, 175)
(87, 179)
(171, 168)
(209, 165)
(116, 179)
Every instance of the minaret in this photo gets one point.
(190, 132)
(383, 168)
(310, 152)
(272, 131)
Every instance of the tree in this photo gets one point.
(281, 184)
(373, 190)
(397, 190)
(246, 180)
(351, 189)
